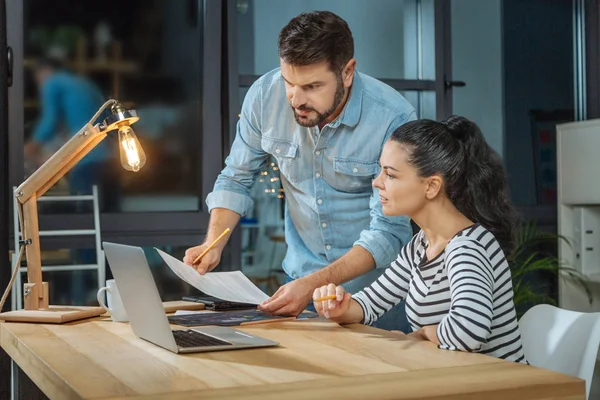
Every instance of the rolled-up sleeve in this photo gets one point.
(245, 160)
(386, 235)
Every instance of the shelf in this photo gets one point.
(103, 66)
(94, 66)
(81, 63)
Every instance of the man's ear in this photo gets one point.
(434, 186)
(348, 73)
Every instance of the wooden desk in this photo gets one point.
(316, 360)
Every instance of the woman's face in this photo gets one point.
(401, 190)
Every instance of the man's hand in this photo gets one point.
(291, 299)
(207, 263)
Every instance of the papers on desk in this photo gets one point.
(230, 286)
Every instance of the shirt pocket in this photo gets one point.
(351, 175)
(286, 154)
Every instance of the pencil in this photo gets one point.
(210, 247)
(332, 297)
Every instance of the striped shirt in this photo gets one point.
(466, 290)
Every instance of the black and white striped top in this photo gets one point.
(466, 289)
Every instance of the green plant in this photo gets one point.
(533, 255)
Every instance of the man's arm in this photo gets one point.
(356, 262)
(386, 234)
(230, 198)
(377, 247)
(48, 123)
(245, 160)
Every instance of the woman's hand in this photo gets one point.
(428, 332)
(337, 304)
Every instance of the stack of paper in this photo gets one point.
(230, 286)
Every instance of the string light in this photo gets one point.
(270, 177)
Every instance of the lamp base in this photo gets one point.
(52, 314)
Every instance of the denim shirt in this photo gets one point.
(326, 174)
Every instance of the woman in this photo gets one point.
(453, 274)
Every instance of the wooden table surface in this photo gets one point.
(317, 359)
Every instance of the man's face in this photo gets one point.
(313, 91)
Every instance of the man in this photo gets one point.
(326, 125)
(68, 102)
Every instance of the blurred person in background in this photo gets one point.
(67, 102)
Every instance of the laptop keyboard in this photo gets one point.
(190, 338)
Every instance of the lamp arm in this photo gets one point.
(101, 110)
(60, 163)
(64, 159)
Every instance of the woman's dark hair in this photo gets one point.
(474, 178)
(317, 36)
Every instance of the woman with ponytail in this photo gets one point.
(453, 274)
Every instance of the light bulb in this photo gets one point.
(132, 155)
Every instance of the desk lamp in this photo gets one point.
(35, 293)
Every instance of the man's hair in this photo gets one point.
(317, 36)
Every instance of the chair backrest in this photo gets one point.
(561, 340)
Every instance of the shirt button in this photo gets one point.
(354, 170)
(324, 224)
(277, 151)
(318, 175)
(328, 247)
(318, 152)
(320, 201)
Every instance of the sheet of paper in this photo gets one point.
(231, 286)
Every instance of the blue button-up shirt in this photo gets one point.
(326, 174)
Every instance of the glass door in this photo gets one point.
(159, 57)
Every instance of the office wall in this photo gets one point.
(538, 74)
(477, 60)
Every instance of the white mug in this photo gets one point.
(115, 305)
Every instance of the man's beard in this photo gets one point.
(309, 123)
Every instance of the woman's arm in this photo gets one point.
(468, 324)
(372, 302)
(390, 288)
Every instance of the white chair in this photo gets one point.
(561, 340)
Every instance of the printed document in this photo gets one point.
(230, 286)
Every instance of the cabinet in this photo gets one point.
(578, 172)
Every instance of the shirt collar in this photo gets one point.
(351, 112)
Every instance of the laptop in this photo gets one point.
(147, 316)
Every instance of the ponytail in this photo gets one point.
(474, 178)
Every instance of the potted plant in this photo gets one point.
(532, 260)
